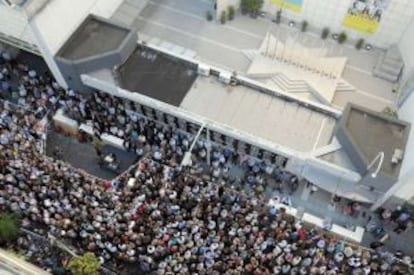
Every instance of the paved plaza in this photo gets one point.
(183, 23)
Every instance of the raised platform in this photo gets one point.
(295, 68)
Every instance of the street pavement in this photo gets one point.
(183, 23)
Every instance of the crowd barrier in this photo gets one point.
(354, 236)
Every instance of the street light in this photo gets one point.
(379, 156)
(187, 156)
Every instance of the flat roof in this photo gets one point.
(287, 123)
(156, 75)
(93, 37)
(371, 133)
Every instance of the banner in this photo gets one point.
(292, 5)
(365, 15)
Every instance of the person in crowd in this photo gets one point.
(159, 216)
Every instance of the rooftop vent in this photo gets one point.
(397, 156)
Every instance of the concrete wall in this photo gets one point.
(406, 45)
(14, 24)
(72, 70)
(60, 18)
(331, 13)
(406, 180)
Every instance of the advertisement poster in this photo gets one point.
(365, 15)
(292, 5)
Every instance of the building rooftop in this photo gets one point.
(287, 123)
(93, 37)
(368, 133)
(156, 75)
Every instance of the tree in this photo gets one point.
(390, 112)
(359, 43)
(230, 12)
(88, 264)
(304, 26)
(342, 37)
(9, 227)
(251, 6)
(223, 17)
(325, 33)
(209, 16)
(278, 16)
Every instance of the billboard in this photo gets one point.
(292, 5)
(365, 15)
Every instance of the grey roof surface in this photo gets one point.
(93, 37)
(340, 158)
(156, 75)
(270, 117)
(368, 133)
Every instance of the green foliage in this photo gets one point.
(325, 33)
(251, 6)
(390, 112)
(88, 264)
(304, 26)
(278, 16)
(360, 43)
(223, 17)
(342, 38)
(209, 15)
(230, 12)
(9, 227)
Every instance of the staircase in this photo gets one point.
(290, 85)
(250, 54)
(343, 86)
(389, 64)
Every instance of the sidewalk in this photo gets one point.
(184, 24)
(318, 204)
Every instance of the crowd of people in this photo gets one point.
(24, 86)
(159, 216)
(164, 219)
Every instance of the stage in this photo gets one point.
(83, 155)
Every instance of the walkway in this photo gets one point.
(318, 204)
(183, 23)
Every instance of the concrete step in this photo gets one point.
(279, 83)
(289, 88)
(393, 62)
(344, 87)
(389, 65)
(390, 69)
(250, 54)
(385, 75)
(292, 82)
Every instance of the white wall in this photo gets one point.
(56, 22)
(320, 14)
(406, 112)
(13, 23)
(60, 18)
(406, 45)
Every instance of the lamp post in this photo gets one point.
(379, 156)
(187, 156)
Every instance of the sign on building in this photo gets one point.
(365, 15)
(292, 5)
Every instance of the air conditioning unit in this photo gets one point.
(203, 70)
(397, 156)
(225, 77)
